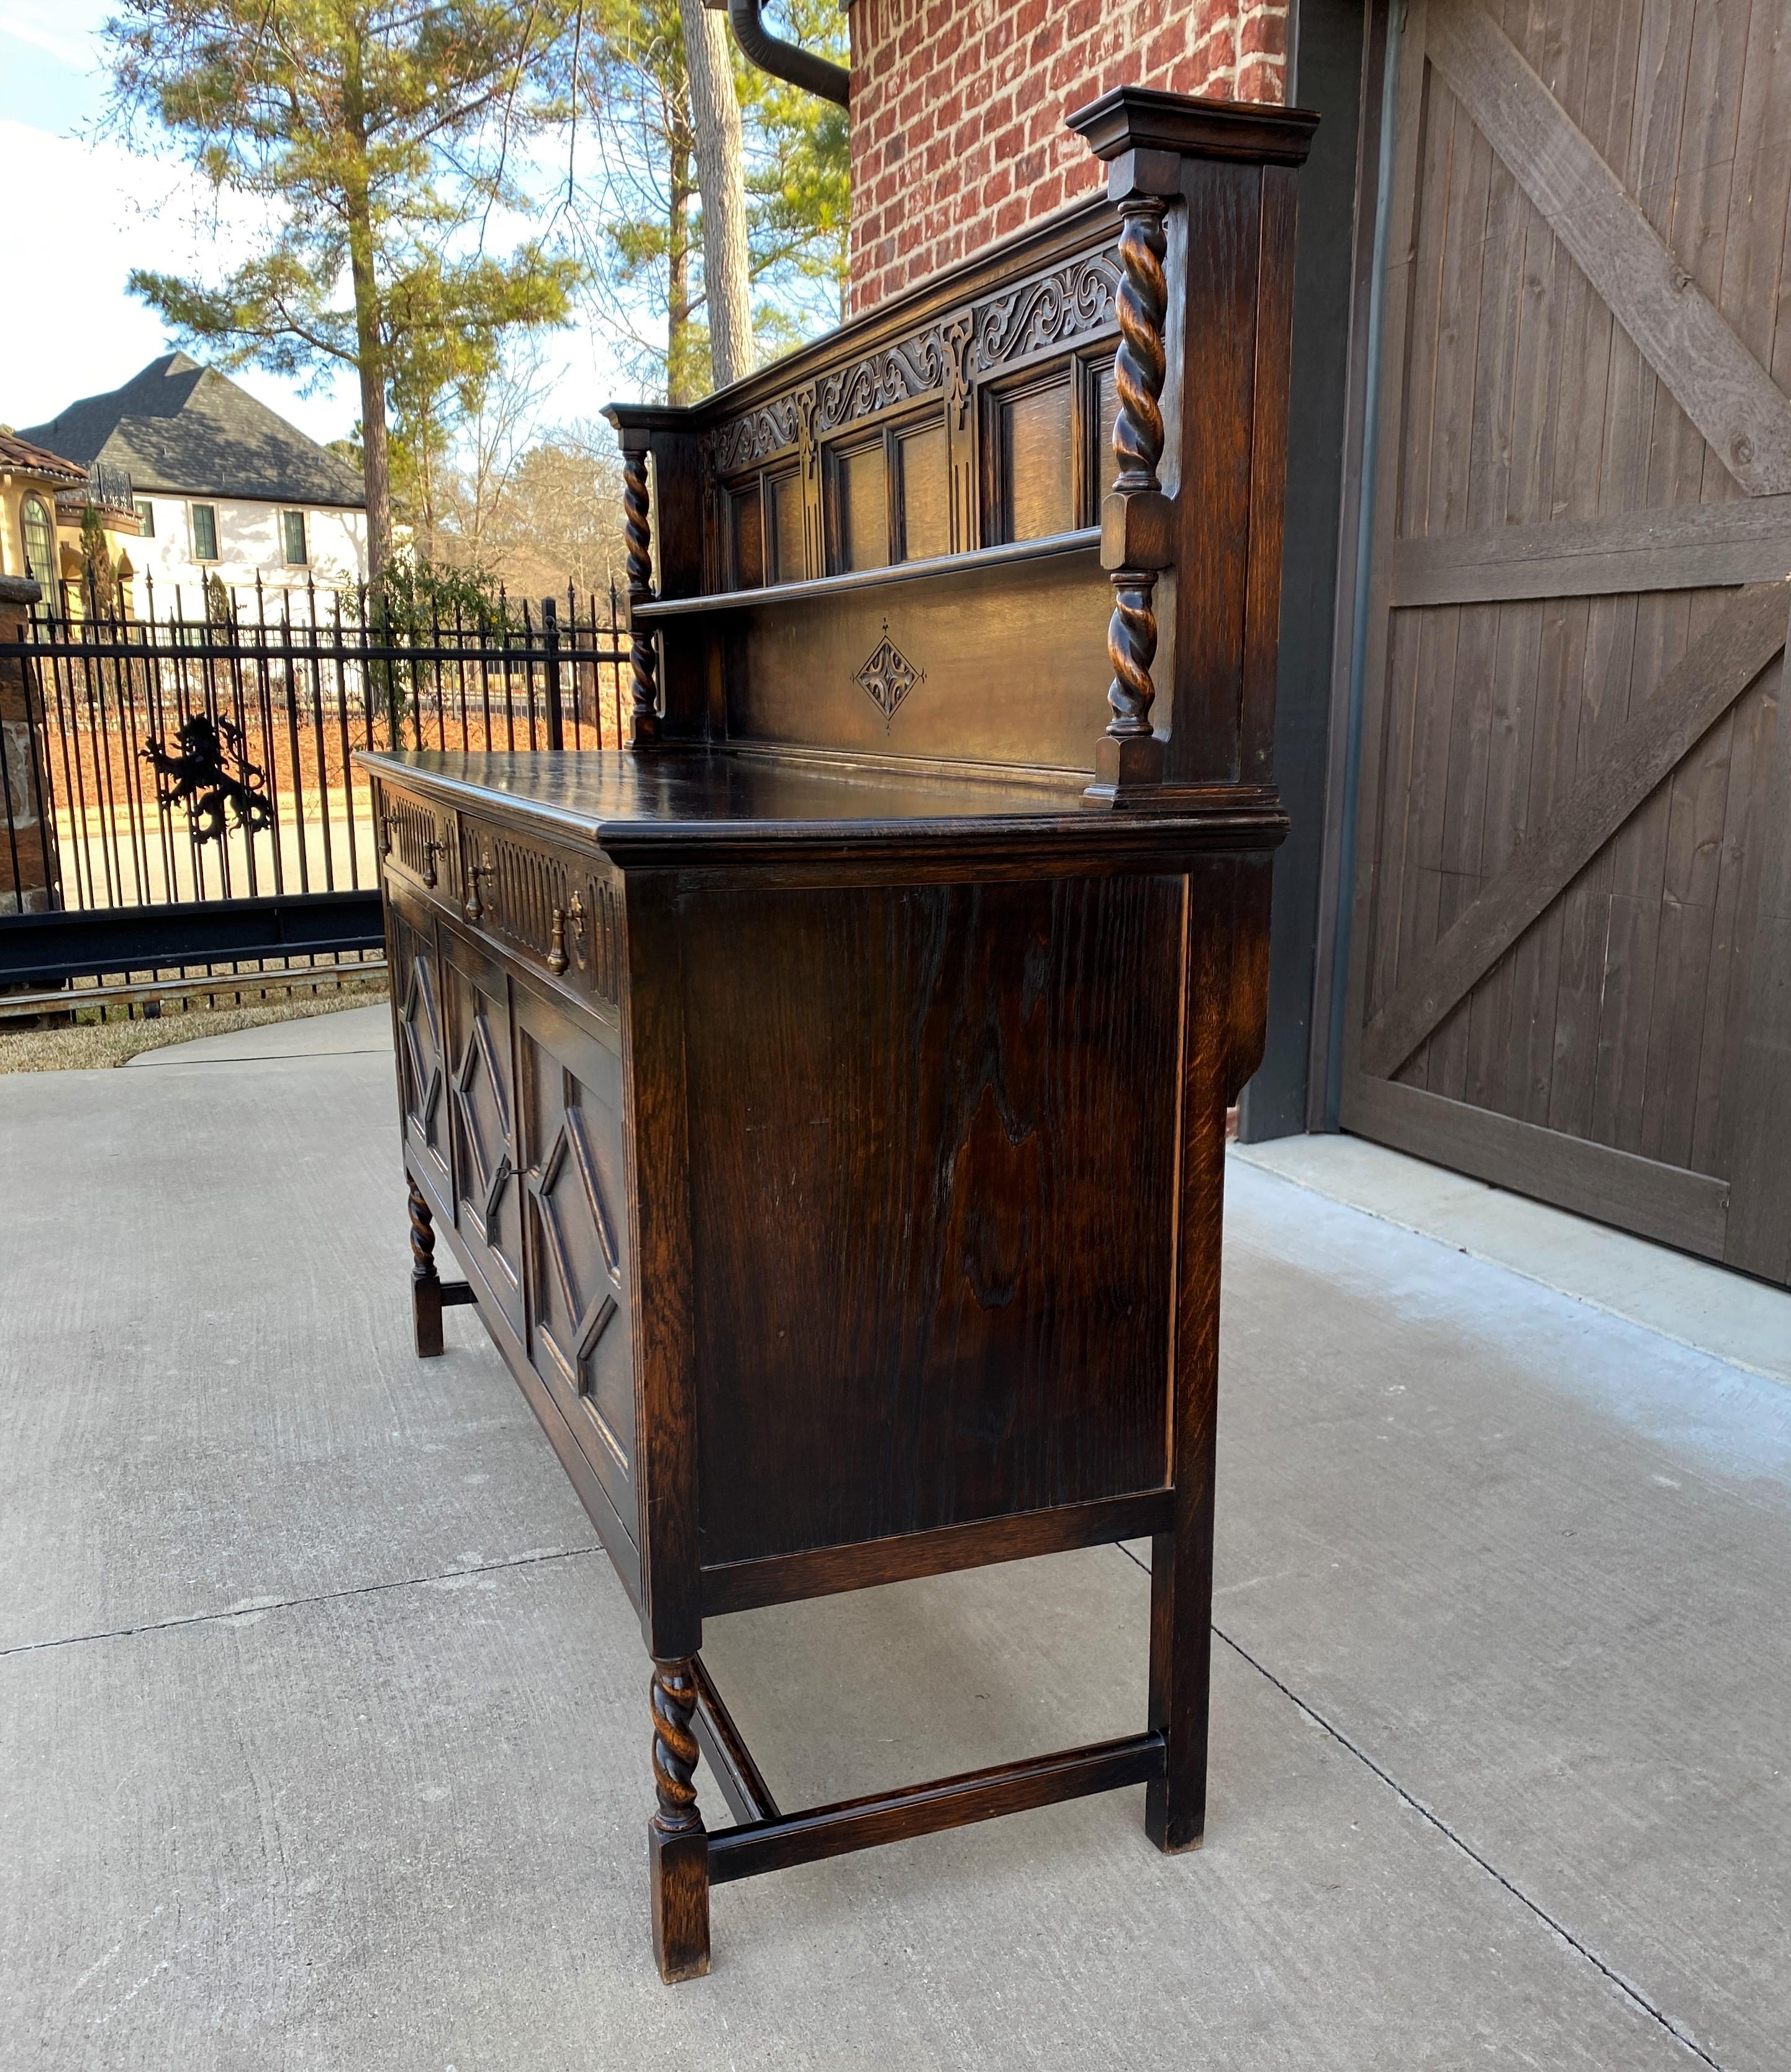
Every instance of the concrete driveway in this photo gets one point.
(323, 1734)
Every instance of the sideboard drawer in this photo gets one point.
(417, 843)
(558, 910)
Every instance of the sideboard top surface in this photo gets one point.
(686, 805)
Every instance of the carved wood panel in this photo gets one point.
(481, 1092)
(560, 909)
(580, 1336)
(422, 1048)
(1046, 322)
(416, 842)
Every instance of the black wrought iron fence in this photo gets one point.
(177, 759)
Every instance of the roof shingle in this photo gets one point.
(189, 431)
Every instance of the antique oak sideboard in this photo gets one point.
(824, 1094)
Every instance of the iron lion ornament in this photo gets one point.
(201, 778)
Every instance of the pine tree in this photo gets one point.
(376, 134)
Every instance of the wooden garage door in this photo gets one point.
(1571, 945)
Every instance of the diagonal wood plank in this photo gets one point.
(1716, 382)
(1691, 698)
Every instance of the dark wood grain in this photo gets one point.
(676, 1846)
(919, 1102)
(1218, 1004)
(481, 1099)
(819, 1572)
(659, 1240)
(789, 559)
(825, 1097)
(573, 1191)
(858, 479)
(926, 1809)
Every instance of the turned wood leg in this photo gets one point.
(426, 1283)
(677, 1843)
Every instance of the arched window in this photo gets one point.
(40, 551)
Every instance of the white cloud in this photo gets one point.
(104, 211)
(67, 29)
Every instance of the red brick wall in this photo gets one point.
(958, 108)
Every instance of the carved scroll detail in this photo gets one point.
(1059, 306)
(913, 367)
(745, 441)
(1055, 308)
(1138, 374)
(674, 1703)
(637, 530)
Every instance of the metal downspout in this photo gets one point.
(782, 60)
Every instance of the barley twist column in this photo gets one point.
(674, 1702)
(426, 1283)
(637, 528)
(1138, 373)
(677, 1845)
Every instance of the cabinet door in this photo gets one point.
(487, 1210)
(569, 1090)
(416, 992)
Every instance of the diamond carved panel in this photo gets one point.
(888, 677)
(420, 1026)
(578, 1285)
(481, 1098)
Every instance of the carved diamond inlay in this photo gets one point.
(485, 1119)
(570, 1200)
(422, 1046)
(888, 677)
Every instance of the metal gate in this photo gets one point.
(1571, 948)
(180, 798)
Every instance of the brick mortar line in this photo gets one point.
(289, 1604)
(1629, 1991)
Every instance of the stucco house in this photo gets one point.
(222, 487)
(45, 499)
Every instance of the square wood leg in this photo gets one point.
(680, 1864)
(1181, 1674)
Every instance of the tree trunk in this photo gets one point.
(375, 448)
(680, 389)
(721, 176)
(376, 458)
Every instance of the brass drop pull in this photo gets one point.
(476, 905)
(431, 850)
(556, 951)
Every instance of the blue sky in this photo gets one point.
(99, 211)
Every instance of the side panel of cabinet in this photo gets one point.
(481, 1094)
(932, 1182)
(580, 1335)
(421, 1042)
